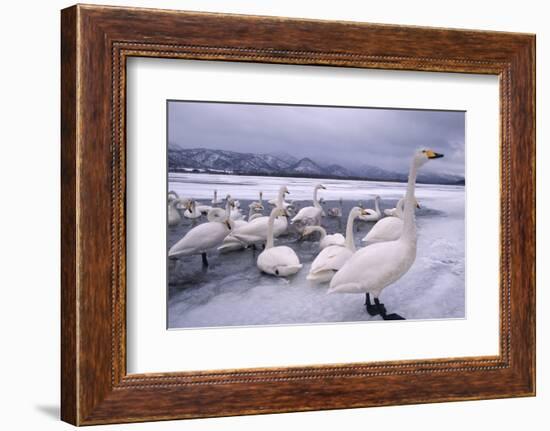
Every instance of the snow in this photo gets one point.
(233, 292)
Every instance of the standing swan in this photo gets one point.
(310, 216)
(205, 236)
(281, 261)
(375, 267)
(174, 216)
(326, 240)
(332, 258)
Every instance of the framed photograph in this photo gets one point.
(266, 215)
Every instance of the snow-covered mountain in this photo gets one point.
(232, 162)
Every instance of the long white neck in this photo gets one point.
(399, 208)
(261, 195)
(271, 221)
(319, 229)
(316, 203)
(251, 212)
(377, 206)
(350, 243)
(215, 196)
(280, 198)
(227, 210)
(409, 223)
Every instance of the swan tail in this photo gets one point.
(321, 276)
(284, 271)
(345, 288)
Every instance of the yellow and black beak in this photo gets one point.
(228, 224)
(432, 155)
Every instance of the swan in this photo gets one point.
(192, 212)
(326, 240)
(375, 214)
(260, 202)
(255, 211)
(373, 268)
(310, 216)
(256, 230)
(389, 228)
(174, 216)
(398, 210)
(336, 211)
(281, 261)
(332, 258)
(172, 195)
(215, 201)
(205, 236)
(232, 244)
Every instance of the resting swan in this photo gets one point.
(375, 214)
(205, 236)
(281, 261)
(192, 212)
(389, 228)
(326, 240)
(332, 258)
(256, 231)
(377, 266)
(336, 211)
(310, 216)
(174, 216)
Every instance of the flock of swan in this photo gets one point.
(388, 254)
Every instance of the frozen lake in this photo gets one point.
(233, 292)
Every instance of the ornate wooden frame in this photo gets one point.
(95, 43)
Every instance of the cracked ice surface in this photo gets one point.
(233, 292)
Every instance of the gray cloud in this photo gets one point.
(347, 136)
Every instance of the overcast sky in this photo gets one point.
(347, 136)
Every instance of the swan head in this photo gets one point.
(320, 186)
(357, 211)
(424, 155)
(284, 190)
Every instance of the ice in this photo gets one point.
(233, 292)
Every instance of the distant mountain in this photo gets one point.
(280, 164)
(306, 166)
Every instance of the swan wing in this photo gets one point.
(200, 239)
(281, 260)
(307, 213)
(331, 258)
(373, 268)
(387, 229)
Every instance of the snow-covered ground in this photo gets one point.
(232, 291)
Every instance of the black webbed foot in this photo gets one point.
(382, 311)
(204, 259)
(372, 309)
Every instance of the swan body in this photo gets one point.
(333, 257)
(309, 216)
(373, 268)
(389, 228)
(174, 216)
(255, 231)
(336, 211)
(280, 261)
(192, 212)
(205, 236)
(375, 214)
(326, 240)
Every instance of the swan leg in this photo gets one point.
(204, 259)
(372, 309)
(385, 316)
